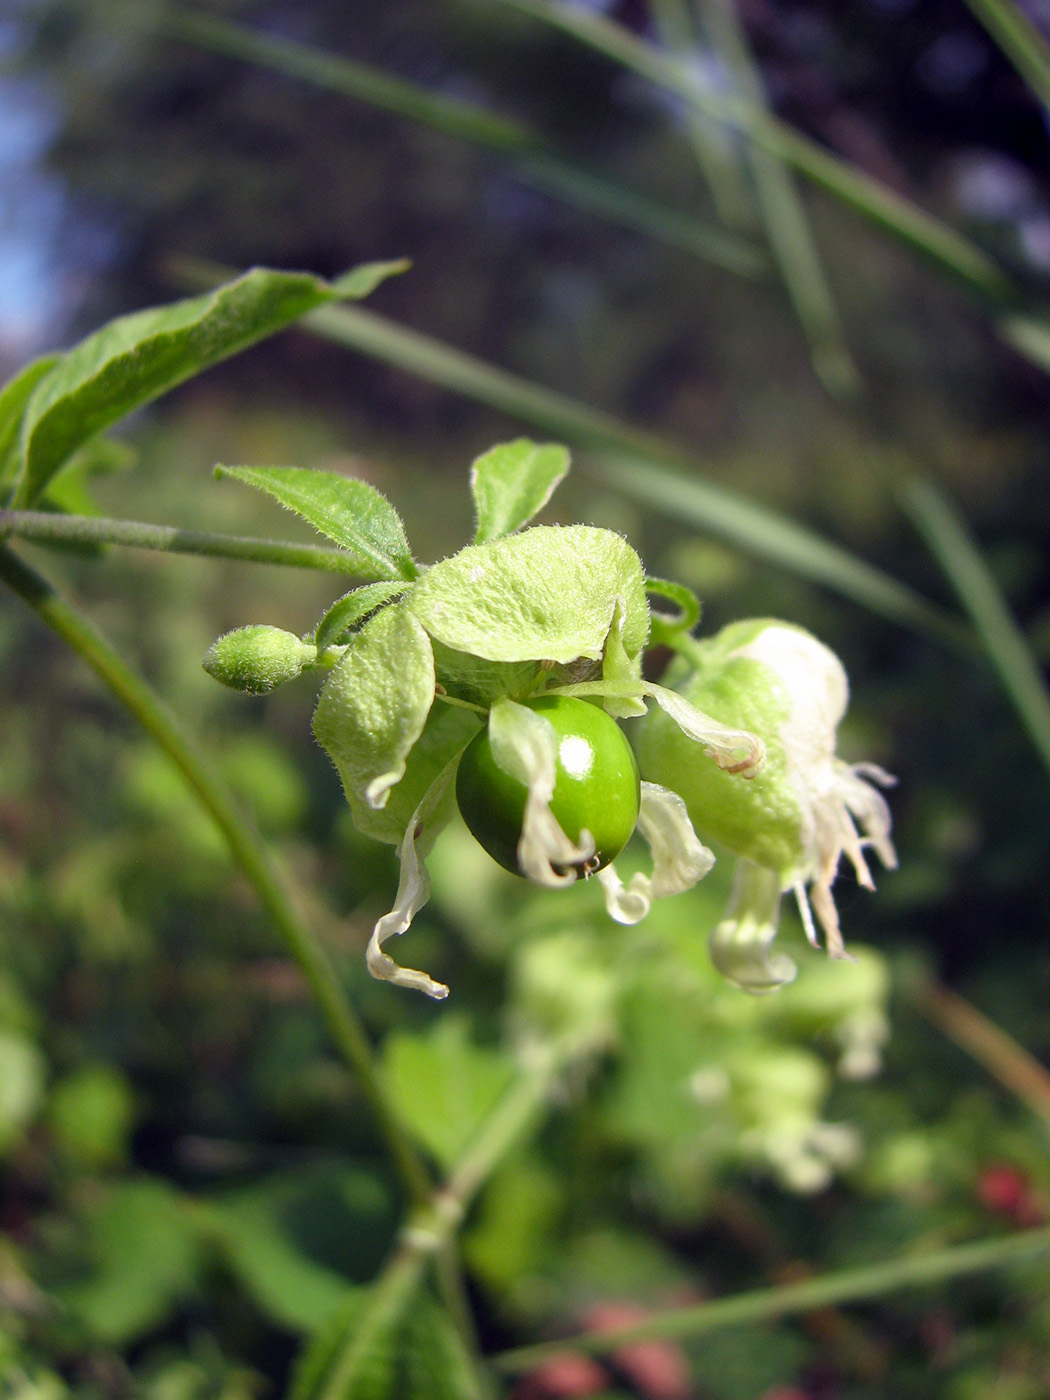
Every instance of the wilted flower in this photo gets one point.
(791, 824)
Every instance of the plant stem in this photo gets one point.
(247, 848)
(45, 527)
(431, 1228)
(764, 1304)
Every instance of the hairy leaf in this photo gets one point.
(513, 482)
(547, 594)
(350, 512)
(375, 703)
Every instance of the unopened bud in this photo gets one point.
(258, 659)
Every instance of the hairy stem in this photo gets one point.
(246, 846)
(44, 527)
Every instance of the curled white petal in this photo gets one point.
(378, 790)
(627, 904)
(740, 945)
(413, 891)
(525, 746)
(736, 750)
(679, 857)
(834, 797)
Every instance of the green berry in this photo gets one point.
(596, 784)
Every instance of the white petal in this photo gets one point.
(627, 904)
(679, 857)
(740, 944)
(735, 750)
(413, 891)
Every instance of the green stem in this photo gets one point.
(764, 1304)
(430, 1229)
(247, 848)
(45, 527)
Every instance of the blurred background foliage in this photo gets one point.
(190, 1182)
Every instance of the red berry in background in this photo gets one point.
(1007, 1191)
(566, 1377)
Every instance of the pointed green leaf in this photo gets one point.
(350, 512)
(546, 594)
(374, 705)
(353, 607)
(513, 482)
(134, 359)
(442, 1085)
(13, 398)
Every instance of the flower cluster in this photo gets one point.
(510, 663)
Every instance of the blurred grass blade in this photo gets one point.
(524, 148)
(655, 472)
(784, 217)
(950, 541)
(1024, 45)
(787, 227)
(914, 1270)
(782, 541)
(718, 152)
(927, 235)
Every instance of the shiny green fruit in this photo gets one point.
(596, 784)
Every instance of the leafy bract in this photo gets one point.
(443, 1086)
(353, 607)
(549, 593)
(375, 703)
(350, 512)
(134, 359)
(513, 482)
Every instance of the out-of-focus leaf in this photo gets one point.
(90, 1114)
(301, 1242)
(21, 1085)
(442, 1085)
(134, 359)
(350, 512)
(13, 398)
(146, 1258)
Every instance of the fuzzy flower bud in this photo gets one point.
(258, 659)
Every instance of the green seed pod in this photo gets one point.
(258, 659)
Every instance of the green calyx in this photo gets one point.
(760, 817)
